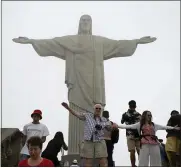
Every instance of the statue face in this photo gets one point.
(85, 24)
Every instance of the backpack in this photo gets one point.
(115, 135)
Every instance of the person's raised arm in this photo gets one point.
(132, 126)
(77, 114)
(162, 127)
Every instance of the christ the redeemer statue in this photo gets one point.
(84, 55)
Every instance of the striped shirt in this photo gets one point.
(90, 132)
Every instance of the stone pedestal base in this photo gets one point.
(68, 159)
(10, 146)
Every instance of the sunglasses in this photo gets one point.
(98, 108)
(149, 115)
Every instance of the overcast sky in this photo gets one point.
(151, 76)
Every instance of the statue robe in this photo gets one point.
(84, 56)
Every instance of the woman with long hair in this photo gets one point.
(149, 141)
(53, 148)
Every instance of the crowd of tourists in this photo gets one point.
(100, 136)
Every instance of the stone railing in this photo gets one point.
(10, 146)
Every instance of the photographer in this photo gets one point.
(94, 146)
(133, 139)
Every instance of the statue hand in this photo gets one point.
(147, 39)
(22, 40)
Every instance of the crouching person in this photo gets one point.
(94, 146)
(53, 148)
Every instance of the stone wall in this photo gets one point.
(10, 146)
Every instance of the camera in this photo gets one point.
(98, 127)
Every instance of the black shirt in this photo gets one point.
(173, 121)
(131, 118)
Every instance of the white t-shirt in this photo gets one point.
(33, 130)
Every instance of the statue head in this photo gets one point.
(85, 25)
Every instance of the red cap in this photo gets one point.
(37, 112)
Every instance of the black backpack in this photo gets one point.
(115, 135)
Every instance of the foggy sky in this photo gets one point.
(151, 76)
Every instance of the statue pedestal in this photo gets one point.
(68, 159)
(10, 146)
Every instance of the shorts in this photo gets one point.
(132, 144)
(90, 150)
(173, 145)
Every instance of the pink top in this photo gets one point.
(148, 130)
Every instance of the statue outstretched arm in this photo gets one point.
(123, 48)
(44, 47)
